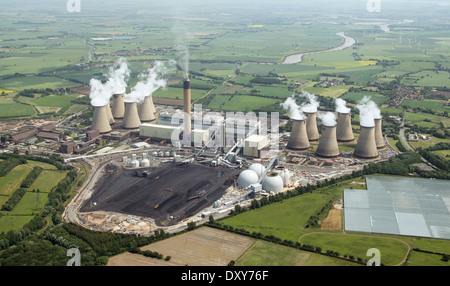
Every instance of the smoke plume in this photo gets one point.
(368, 112)
(294, 109)
(116, 83)
(328, 118)
(312, 105)
(341, 106)
(151, 80)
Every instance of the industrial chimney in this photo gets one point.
(118, 107)
(146, 110)
(344, 132)
(379, 134)
(299, 137)
(100, 119)
(131, 117)
(366, 147)
(311, 126)
(328, 146)
(187, 112)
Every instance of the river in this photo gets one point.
(297, 58)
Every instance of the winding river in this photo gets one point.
(297, 58)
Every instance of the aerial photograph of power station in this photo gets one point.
(224, 133)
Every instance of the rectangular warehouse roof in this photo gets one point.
(399, 206)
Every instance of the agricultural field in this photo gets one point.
(33, 201)
(263, 253)
(38, 82)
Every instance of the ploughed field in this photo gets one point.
(168, 194)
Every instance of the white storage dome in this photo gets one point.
(258, 169)
(246, 178)
(273, 183)
(283, 172)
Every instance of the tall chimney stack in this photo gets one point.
(299, 137)
(147, 110)
(100, 119)
(118, 107)
(311, 126)
(131, 117)
(187, 112)
(366, 148)
(328, 146)
(344, 131)
(379, 134)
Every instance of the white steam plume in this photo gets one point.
(328, 118)
(294, 109)
(116, 83)
(368, 112)
(150, 82)
(118, 75)
(312, 105)
(341, 106)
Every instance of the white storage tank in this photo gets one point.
(283, 172)
(134, 162)
(145, 162)
(272, 183)
(246, 178)
(258, 168)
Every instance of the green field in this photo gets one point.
(32, 202)
(358, 245)
(16, 110)
(12, 181)
(263, 253)
(38, 82)
(434, 105)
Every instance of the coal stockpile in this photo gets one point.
(168, 194)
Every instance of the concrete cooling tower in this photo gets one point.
(100, 119)
(328, 145)
(299, 137)
(146, 110)
(118, 106)
(131, 117)
(379, 134)
(311, 126)
(366, 148)
(110, 115)
(344, 132)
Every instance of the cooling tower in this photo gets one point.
(328, 145)
(311, 126)
(379, 134)
(366, 148)
(100, 119)
(299, 137)
(131, 117)
(344, 132)
(187, 111)
(118, 107)
(110, 115)
(146, 110)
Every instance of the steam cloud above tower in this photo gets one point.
(118, 76)
(151, 80)
(368, 112)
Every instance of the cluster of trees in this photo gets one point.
(9, 164)
(313, 221)
(13, 199)
(445, 257)
(152, 254)
(434, 159)
(265, 80)
(26, 183)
